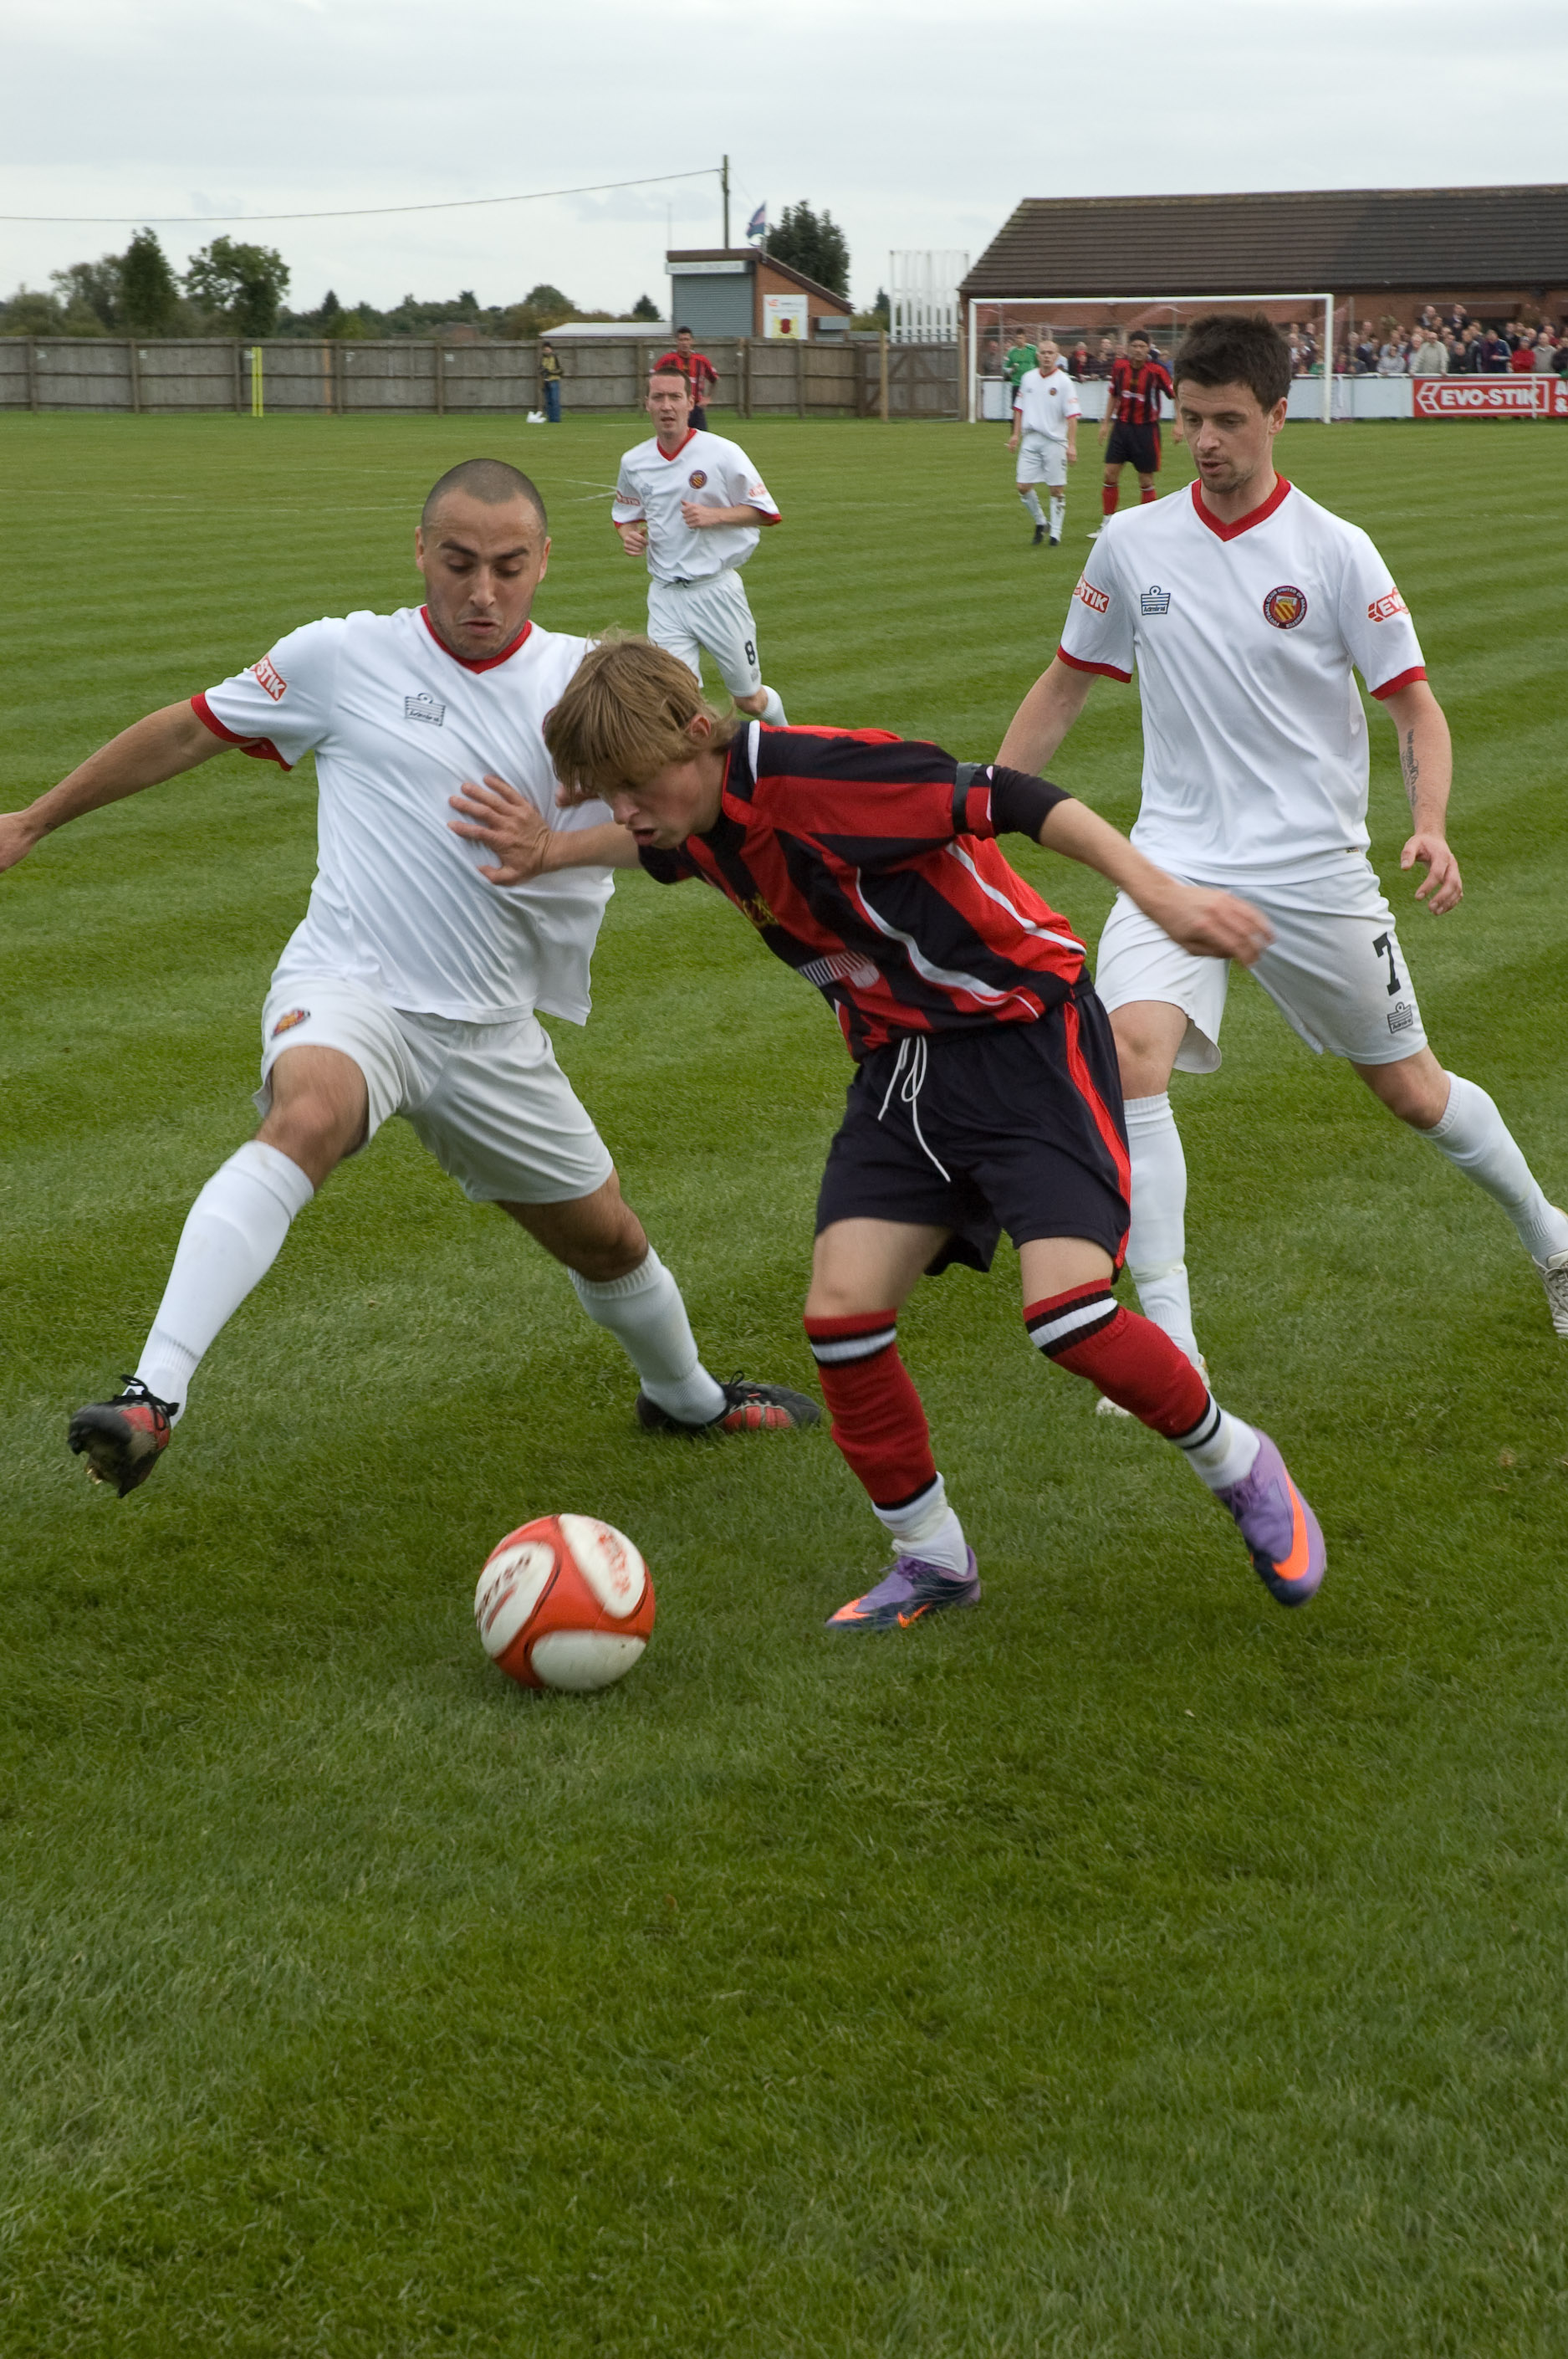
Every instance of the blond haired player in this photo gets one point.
(412, 983)
(1246, 608)
(1046, 413)
(695, 505)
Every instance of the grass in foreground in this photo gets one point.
(1130, 1968)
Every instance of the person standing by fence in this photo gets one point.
(699, 371)
(551, 374)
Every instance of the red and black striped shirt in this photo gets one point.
(1136, 391)
(869, 863)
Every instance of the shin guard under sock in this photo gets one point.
(878, 1421)
(1109, 496)
(1134, 1363)
(232, 1235)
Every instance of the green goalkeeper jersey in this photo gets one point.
(1018, 363)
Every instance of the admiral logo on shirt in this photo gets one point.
(1384, 609)
(1097, 600)
(1285, 608)
(1155, 601)
(424, 707)
(269, 679)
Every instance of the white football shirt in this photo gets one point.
(1046, 403)
(711, 473)
(1245, 637)
(396, 725)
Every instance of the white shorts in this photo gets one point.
(1042, 459)
(488, 1100)
(1334, 971)
(686, 616)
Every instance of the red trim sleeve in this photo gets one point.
(1107, 671)
(1400, 679)
(260, 749)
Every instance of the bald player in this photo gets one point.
(413, 983)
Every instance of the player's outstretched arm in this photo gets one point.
(525, 845)
(1426, 765)
(1210, 924)
(1044, 717)
(159, 747)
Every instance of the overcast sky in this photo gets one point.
(919, 125)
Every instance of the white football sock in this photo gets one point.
(232, 1235)
(1477, 1140)
(1058, 514)
(645, 1312)
(1219, 1450)
(1156, 1242)
(1031, 502)
(928, 1528)
(773, 712)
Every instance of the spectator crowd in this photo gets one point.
(1451, 344)
(1439, 343)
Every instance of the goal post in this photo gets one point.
(1095, 327)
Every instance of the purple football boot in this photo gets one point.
(1282, 1535)
(911, 1590)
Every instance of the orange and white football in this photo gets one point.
(565, 1601)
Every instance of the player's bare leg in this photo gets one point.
(1462, 1123)
(625, 1289)
(232, 1235)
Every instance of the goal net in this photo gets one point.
(1089, 332)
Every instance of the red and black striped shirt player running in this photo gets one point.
(1131, 419)
(986, 1094)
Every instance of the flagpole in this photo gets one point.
(724, 180)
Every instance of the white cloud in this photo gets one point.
(919, 131)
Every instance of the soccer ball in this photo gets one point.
(565, 1601)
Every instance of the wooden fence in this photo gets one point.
(854, 377)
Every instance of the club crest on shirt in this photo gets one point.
(269, 679)
(1285, 608)
(1384, 609)
(424, 707)
(697, 477)
(758, 911)
(287, 1023)
(1155, 601)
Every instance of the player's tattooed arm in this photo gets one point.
(1200, 918)
(1426, 765)
(524, 844)
(151, 750)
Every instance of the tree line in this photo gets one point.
(235, 289)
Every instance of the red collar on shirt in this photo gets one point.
(680, 446)
(1246, 523)
(474, 663)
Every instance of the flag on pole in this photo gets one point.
(757, 227)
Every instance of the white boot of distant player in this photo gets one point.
(1058, 515)
(1156, 1241)
(1477, 1141)
(773, 712)
(645, 1312)
(232, 1235)
(1031, 502)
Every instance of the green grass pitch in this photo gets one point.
(1130, 1969)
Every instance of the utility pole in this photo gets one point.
(724, 184)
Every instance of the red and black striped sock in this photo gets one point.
(1133, 1362)
(878, 1421)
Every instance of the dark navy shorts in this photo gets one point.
(1134, 446)
(1015, 1127)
